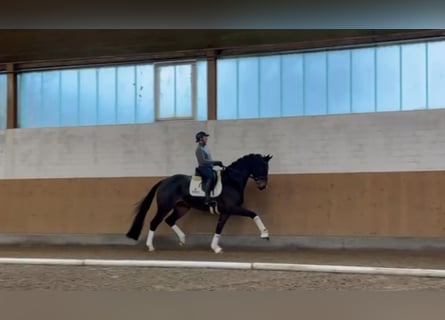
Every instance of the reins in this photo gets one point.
(251, 176)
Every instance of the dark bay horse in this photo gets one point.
(173, 194)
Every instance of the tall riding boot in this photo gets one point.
(208, 185)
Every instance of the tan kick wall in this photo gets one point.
(361, 204)
(369, 174)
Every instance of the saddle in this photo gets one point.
(196, 189)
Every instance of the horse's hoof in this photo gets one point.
(181, 243)
(266, 238)
(151, 249)
(218, 250)
(265, 235)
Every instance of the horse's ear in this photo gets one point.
(268, 157)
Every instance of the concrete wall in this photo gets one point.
(349, 175)
(404, 141)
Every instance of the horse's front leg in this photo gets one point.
(217, 236)
(240, 211)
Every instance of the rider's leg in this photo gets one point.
(208, 179)
(207, 187)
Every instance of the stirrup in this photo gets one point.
(213, 207)
(211, 203)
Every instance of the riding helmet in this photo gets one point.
(201, 134)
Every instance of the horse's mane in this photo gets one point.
(244, 158)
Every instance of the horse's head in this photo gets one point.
(255, 166)
(259, 170)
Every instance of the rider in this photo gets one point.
(205, 163)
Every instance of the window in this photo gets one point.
(89, 96)
(369, 79)
(339, 81)
(436, 74)
(112, 95)
(291, 84)
(363, 89)
(414, 74)
(315, 83)
(3, 101)
(380, 78)
(388, 78)
(175, 94)
(227, 89)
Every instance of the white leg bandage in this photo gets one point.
(150, 240)
(215, 242)
(261, 227)
(180, 234)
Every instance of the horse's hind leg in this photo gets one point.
(217, 236)
(154, 223)
(178, 212)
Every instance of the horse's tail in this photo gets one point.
(142, 209)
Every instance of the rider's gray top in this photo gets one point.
(203, 156)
